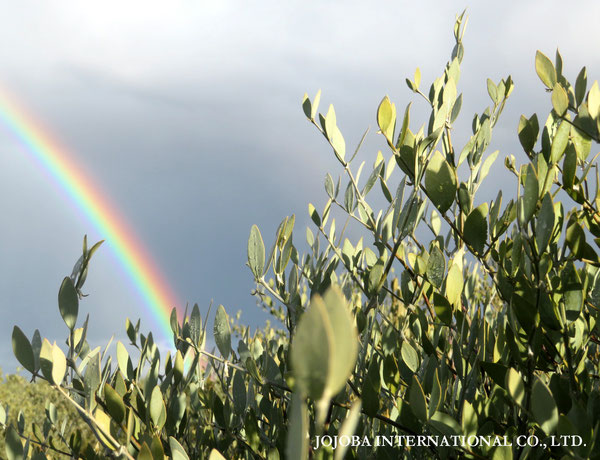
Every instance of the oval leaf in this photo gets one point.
(222, 332)
(545, 70)
(544, 407)
(22, 349)
(59, 365)
(440, 181)
(177, 451)
(114, 404)
(256, 252)
(475, 229)
(68, 302)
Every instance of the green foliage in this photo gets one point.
(450, 316)
(44, 411)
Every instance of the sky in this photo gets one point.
(187, 115)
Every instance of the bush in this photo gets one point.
(453, 328)
(39, 405)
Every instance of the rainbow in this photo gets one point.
(143, 273)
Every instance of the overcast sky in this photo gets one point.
(187, 114)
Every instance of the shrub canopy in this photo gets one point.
(453, 318)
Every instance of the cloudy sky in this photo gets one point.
(187, 115)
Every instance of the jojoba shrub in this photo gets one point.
(454, 327)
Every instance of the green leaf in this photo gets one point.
(22, 349)
(440, 181)
(315, 105)
(545, 224)
(560, 100)
(502, 452)
(306, 106)
(256, 252)
(572, 289)
(68, 302)
(492, 90)
(528, 200)
(443, 309)
(410, 356)
(560, 142)
(329, 186)
(436, 267)
(239, 393)
(375, 280)
(177, 451)
(594, 101)
(580, 86)
(325, 346)
(124, 361)
(334, 134)
(569, 168)
(416, 398)
(475, 229)
(544, 407)
(436, 394)
(348, 427)
(297, 443)
(417, 77)
(2, 416)
(196, 326)
(515, 386)
(528, 132)
(386, 118)
(581, 142)
(222, 332)
(454, 285)
(545, 70)
(349, 201)
(13, 447)
(314, 215)
(114, 404)
(158, 411)
(444, 424)
(215, 455)
(487, 164)
(46, 360)
(145, 453)
(371, 388)
(59, 364)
